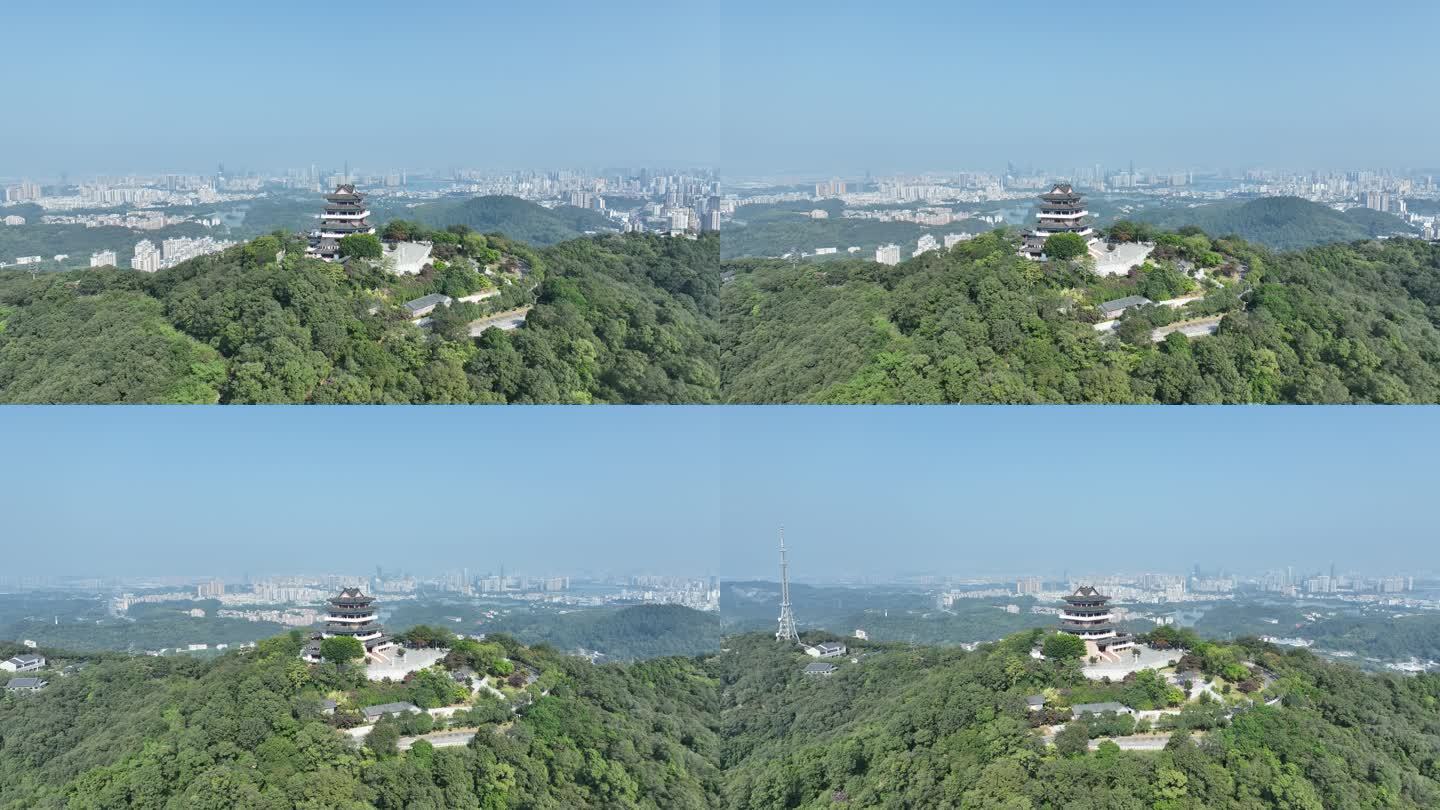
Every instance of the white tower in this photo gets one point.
(787, 616)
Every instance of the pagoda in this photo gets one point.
(345, 215)
(352, 613)
(1062, 210)
(1087, 615)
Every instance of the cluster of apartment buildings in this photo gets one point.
(148, 258)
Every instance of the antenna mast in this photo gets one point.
(787, 616)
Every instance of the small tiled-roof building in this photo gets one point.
(819, 669)
(22, 685)
(1100, 708)
(373, 713)
(1113, 309)
(25, 662)
(426, 304)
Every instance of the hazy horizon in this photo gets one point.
(873, 491)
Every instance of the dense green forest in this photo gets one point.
(894, 726)
(1385, 634)
(937, 727)
(518, 219)
(615, 319)
(775, 230)
(641, 631)
(1281, 223)
(246, 730)
(1340, 323)
(641, 319)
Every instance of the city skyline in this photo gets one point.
(1259, 489)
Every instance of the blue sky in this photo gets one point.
(845, 85)
(861, 490)
(179, 85)
(809, 86)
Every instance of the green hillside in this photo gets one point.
(1340, 323)
(246, 731)
(892, 726)
(1282, 223)
(642, 631)
(614, 319)
(936, 727)
(517, 219)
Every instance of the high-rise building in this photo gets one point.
(104, 258)
(210, 590)
(146, 258)
(345, 215)
(888, 254)
(1087, 615)
(1027, 585)
(1062, 210)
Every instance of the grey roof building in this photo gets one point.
(1100, 708)
(819, 669)
(25, 662)
(1113, 309)
(424, 305)
(373, 713)
(26, 684)
(1035, 702)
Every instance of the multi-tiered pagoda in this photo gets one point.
(1087, 614)
(352, 613)
(345, 215)
(1062, 210)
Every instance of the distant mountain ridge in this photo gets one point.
(1282, 223)
(515, 218)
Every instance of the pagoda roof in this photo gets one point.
(351, 596)
(1087, 593)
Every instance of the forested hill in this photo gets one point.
(1340, 323)
(641, 631)
(246, 732)
(1282, 223)
(615, 319)
(518, 219)
(936, 727)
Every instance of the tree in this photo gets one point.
(341, 650)
(360, 246)
(1065, 246)
(1063, 647)
(1073, 740)
(383, 739)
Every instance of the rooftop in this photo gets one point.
(389, 708)
(26, 683)
(431, 300)
(819, 669)
(1120, 305)
(1099, 708)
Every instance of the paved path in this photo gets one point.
(1150, 658)
(401, 665)
(508, 320)
(1137, 742)
(440, 739)
(1196, 328)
